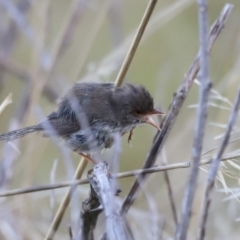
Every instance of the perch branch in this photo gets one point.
(101, 183)
(90, 213)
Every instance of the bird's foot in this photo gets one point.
(130, 136)
(87, 157)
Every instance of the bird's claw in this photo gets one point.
(130, 136)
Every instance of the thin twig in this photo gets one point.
(171, 198)
(174, 109)
(170, 193)
(214, 167)
(52, 194)
(118, 176)
(215, 148)
(85, 181)
(202, 111)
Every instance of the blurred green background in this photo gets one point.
(47, 45)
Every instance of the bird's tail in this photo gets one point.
(9, 136)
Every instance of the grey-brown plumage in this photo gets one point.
(91, 113)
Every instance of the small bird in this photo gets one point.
(90, 114)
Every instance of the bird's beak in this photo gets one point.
(149, 119)
(156, 112)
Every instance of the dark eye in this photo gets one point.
(138, 112)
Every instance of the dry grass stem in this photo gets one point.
(46, 46)
(170, 191)
(214, 167)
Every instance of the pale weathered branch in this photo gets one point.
(90, 213)
(101, 183)
(201, 121)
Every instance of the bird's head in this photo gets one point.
(140, 105)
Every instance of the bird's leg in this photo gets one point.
(87, 157)
(130, 136)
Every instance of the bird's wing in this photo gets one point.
(82, 100)
(55, 126)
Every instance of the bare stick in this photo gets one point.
(90, 213)
(174, 109)
(118, 176)
(85, 181)
(204, 92)
(171, 198)
(135, 42)
(170, 193)
(101, 183)
(214, 167)
(83, 163)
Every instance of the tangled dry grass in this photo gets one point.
(48, 45)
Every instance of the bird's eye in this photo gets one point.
(138, 112)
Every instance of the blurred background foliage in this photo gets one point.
(47, 45)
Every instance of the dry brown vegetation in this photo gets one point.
(47, 45)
